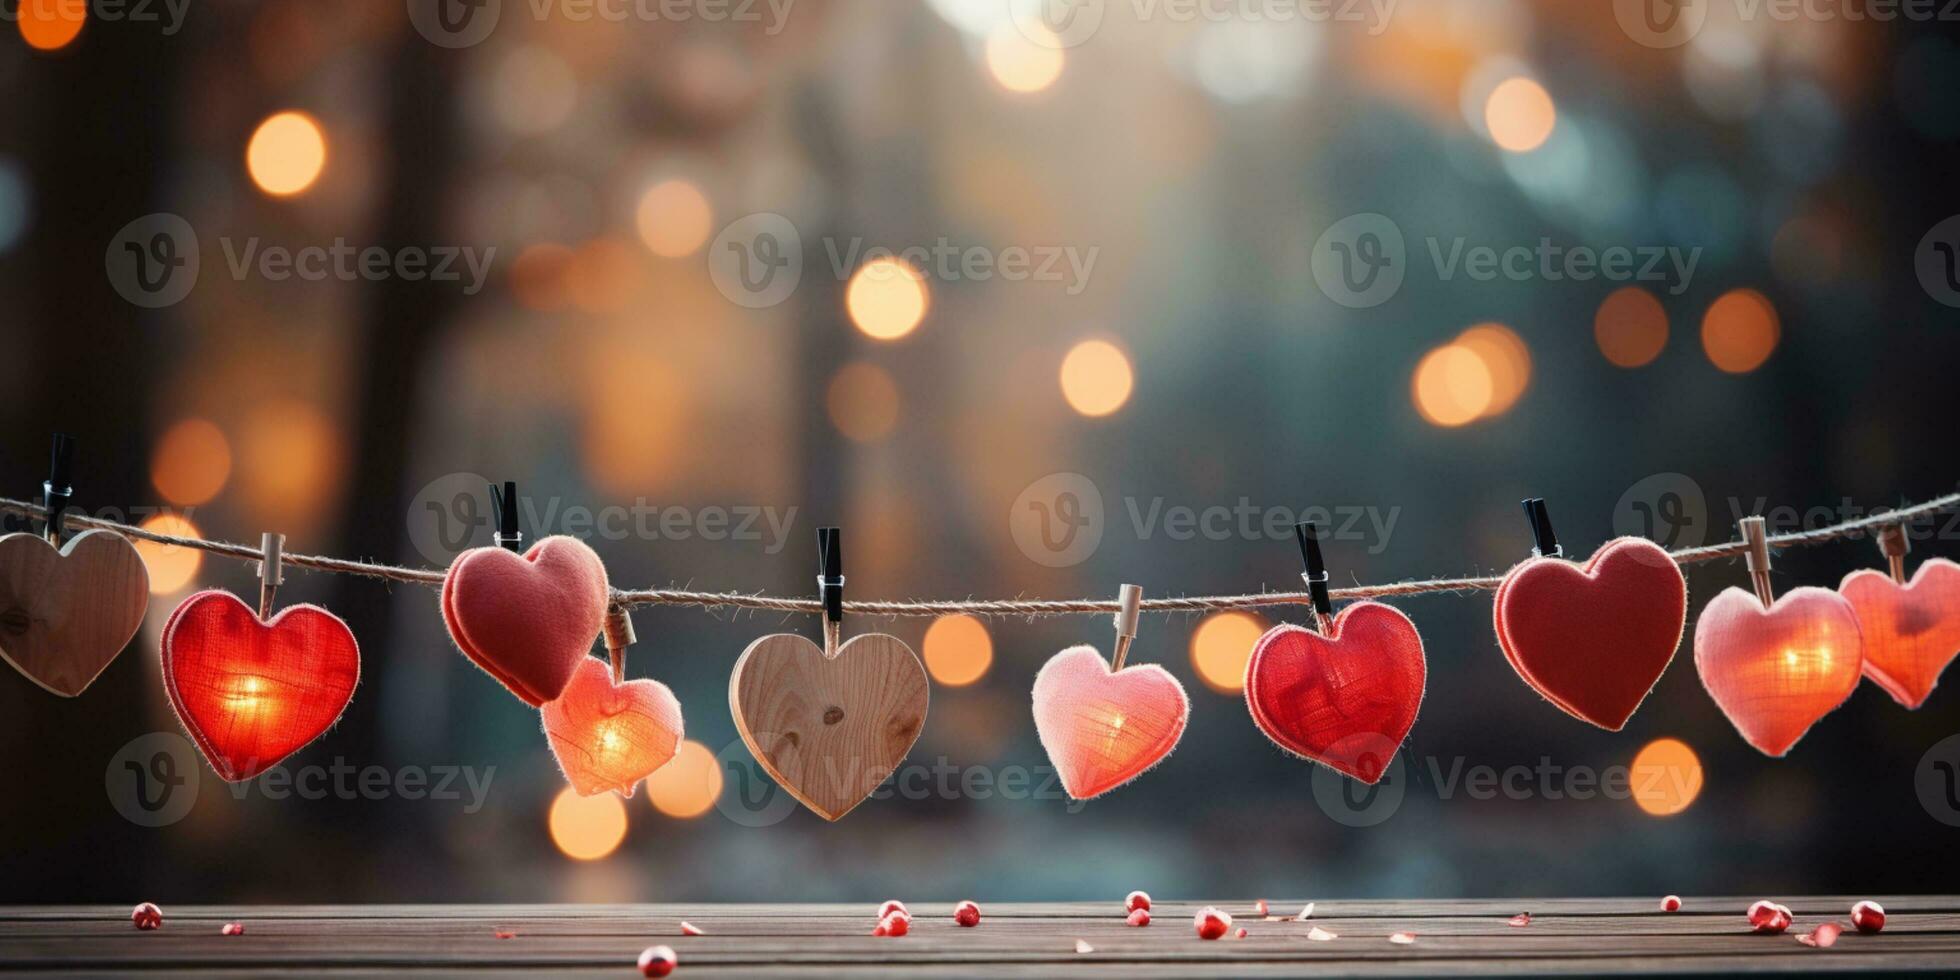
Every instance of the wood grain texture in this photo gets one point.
(1571, 937)
(829, 730)
(65, 615)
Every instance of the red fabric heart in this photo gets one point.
(527, 620)
(1911, 631)
(1103, 728)
(1345, 699)
(610, 736)
(1776, 672)
(1594, 639)
(252, 693)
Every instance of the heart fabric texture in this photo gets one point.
(1345, 699)
(829, 730)
(1911, 631)
(527, 620)
(609, 736)
(1103, 728)
(252, 693)
(1594, 639)
(1776, 672)
(66, 614)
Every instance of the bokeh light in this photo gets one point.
(587, 828)
(887, 298)
(958, 650)
(191, 463)
(1630, 327)
(1021, 64)
(688, 785)
(1220, 647)
(172, 566)
(49, 25)
(1740, 331)
(532, 91)
(674, 218)
(1452, 386)
(287, 153)
(540, 277)
(1520, 115)
(1096, 378)
(863, 402)
(1507, 360)
(602, 275)
(1666, 777)
(290, 461)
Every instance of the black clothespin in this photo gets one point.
(1316, 574)
(59, 490)
(1545, 541)
(505, 498)
(830, 585)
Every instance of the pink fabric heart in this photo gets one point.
(527, 620)
(1103, 728)
(610, 736)
(1911, 631)
(1776, 672)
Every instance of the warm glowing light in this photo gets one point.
(48, 25)
(1096, 378)
(290, 462)
(887, 299)
(1220, 647)
(587, 828)
(1520, 115)
(540, 277)
(687, 786)
(1630, 327)
(191, 463)
(1740, 331)
(1021, 64)
(675, 218)
(863, 402)
(1506, 359)
(602, 276)
(172, 566)
(1666, 777)
(287, 154)
(1453, 386)
(958, 650)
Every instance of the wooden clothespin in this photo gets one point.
(1755, 536)
(1129, 606)
(272, 571)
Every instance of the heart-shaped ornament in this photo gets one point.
(1103, 728)
(253, 692)
(1911, 631)
(829, 729)
(1775, 672)
(1594, 639)
(527, 620)
(609, 736)
(65, 614)
(1345, 699)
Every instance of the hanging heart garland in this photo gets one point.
(1102, 723)
(67, 612)
(527, 620)
(606, 732)
(1911, 629)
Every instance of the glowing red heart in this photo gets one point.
(1345, 699)
(252, 693)
(1911, 631)
(1103, 728)
(610, 736)
(1594, 639)
(527, 620)
(1776, 672)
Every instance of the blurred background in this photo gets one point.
(1196, 330)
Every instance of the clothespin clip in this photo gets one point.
(505, 499)
(1129, 606)
(59, 490)
(619, 636)
(830, 586)
(1316, 573)
(1755, 538)
(1894, 544)
(1545, 541)
(272, 573)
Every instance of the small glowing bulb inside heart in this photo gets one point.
(610, 741)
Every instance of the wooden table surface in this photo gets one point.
(1565, 936)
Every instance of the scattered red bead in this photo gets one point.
(232, 929)
(1238, 933)
(881, 930)
(1868, 917)
(658, 961)
(1136, 900)
(1259, 908)
(966, 914)
(1768, 917)
(1671, 903)
(1402, 938)
(147, 916)
(897, 924)
(504, 934)
(1520, 920)
(1212, 923)
(1139, 917)
(690, 929)
(890, 906)
(1822, 937)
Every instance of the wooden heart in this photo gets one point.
(527, 620)
(1103, 728)
(1776, 672)
(65, 615)
(1345, 699)
(829, 730)
(609, 736)
(1594, 639)
(1911, 631)
(252, 693)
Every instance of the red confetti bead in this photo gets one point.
(1139, 917)
(1868, 917)
(504, 934)
(1671, 903)
(890, 906)
(881, 930)
(1238, 933)
(690, 929)
(897, 924)
(232, 929)
(1259, 908)
(966, 914)
(1822, 937)
(1136, 900)
(1520, 920)
(1768, 917)
(146, 916)
(1212, 923)
(658, 961)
